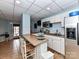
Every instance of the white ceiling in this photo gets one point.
(9, 9)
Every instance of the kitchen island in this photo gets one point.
(32, 47)
(33, 40)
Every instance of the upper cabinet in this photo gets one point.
(57, 23)
(55, 19)
(71, 21)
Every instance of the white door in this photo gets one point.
(16, 30)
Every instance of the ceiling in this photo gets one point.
(38, 9)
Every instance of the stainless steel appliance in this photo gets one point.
(77, 33)
(46, 24)
(71, 33)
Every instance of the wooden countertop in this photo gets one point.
(33, 40)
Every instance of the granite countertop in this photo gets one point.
(57, 35)
(52, 34)
(33, 39)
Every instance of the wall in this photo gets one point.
(54, 19)
(3, 26)
(32, 26)
(6, 26)
(35, 30)
(25, 24)
(58, 18)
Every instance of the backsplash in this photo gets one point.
(57, 28)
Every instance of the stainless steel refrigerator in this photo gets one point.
(77, 33)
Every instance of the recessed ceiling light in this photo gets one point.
(18, 2)
(48, 8)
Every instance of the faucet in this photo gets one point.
(57, 32)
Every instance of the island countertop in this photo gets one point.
(33, 39)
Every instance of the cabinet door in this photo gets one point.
(54, 43)
(62, 46)
(49, 42)
(58, 45)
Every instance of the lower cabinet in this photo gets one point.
(56, 43)
(49, 43)
(62, 46)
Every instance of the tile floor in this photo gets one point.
(72, 49)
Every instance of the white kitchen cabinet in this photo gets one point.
(50, 43)
(59, 45)
(62, 46)
(56, 43)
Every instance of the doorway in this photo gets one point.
(16, 28)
